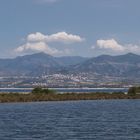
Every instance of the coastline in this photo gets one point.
(16, 97)
(66, 90)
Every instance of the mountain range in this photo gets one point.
(37, 64)
(127, 65)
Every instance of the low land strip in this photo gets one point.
(40, 94)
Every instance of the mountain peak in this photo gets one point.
(36, 55)
(40, 54)
(131, 54)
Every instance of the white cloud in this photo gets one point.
(62, 37)
(38, 42)
(36, 47)
(110, 44)
(36, 37)
(132, 48)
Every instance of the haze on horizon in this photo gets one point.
(69, 28)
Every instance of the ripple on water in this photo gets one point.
(71, 120)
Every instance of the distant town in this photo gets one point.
(47, 71)
(66, 81)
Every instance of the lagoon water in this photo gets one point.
(66, 90)
(71, 120)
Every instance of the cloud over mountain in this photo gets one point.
(111, 45)
(38, 42)
(37, 47)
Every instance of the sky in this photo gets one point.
(69, 27)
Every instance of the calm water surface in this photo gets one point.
(71, 120)
(67, 90)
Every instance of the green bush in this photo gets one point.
(39, 90)
(132, 91)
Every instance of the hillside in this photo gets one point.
(36, 64)
(127, 65)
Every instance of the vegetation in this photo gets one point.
(39, 94)
(39, 90)
(133, 91)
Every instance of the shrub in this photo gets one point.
(132, 91)
(39, 90)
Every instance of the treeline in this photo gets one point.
(134, 91)
(39, 94)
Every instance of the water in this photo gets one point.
(68, 90)
(71, 120)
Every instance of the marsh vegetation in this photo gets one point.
(40, 94)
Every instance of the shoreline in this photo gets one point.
(17, 97)
(66, 90)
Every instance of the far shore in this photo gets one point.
(31, 97)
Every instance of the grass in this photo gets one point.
(52, 96)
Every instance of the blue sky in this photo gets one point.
(69, 27)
